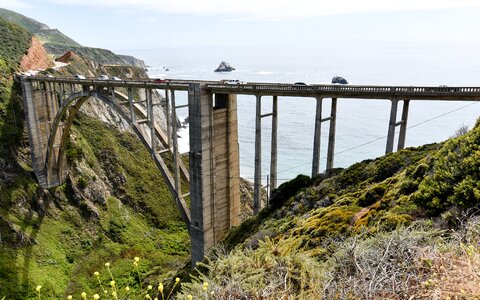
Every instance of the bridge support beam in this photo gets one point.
(393, 123)
(403, 125)
(317, 138)
(214, 168)
(391, 126)
(331, 135)
(40, 109)
(257, 181)
(273, 145)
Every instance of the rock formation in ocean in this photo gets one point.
(224, 67)
(339, 79)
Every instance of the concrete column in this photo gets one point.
(257, 188)
(151, 118)
(273, 152)
(403, 125)
(130, 103)
(317, 138)
(391, 126)
(200, 108)
(175, 147)
(169, 128)
(331, 135)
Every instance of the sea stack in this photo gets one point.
(224, 67)
(339, 79)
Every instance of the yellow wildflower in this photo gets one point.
(127, 289)
(96, 297)
(69, 297)
(96, 273)
(136, 259)
(84, 295)
(189, 297)
(205, 286)
(107, 264)
(160, 287)
(112, 283)
(39, 287)
(177, 280)
(149, 287)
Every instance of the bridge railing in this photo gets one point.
(346, 89)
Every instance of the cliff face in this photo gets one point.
(114, 205)
(36, 57)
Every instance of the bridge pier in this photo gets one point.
(331, 135)
(273, 145)
(214, 168)
(318, 136)
(403, 125)
(393, 124)
(257, 180)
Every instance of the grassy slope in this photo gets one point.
(45, 34)
(337, 221)
(56, 238)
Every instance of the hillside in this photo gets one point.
(402, 226)
(100, 56)
(56, 43)
(45, 33)
(113, 207)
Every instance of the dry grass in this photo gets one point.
(417, 262)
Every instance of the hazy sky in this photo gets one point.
(144, 24)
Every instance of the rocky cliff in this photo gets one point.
(114, 205)
(36, 57)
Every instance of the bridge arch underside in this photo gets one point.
(55, 159)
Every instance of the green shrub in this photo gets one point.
(371, 196)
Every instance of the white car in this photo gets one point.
(233, 81)
(116, 78)
(79, 77)
(102, 77)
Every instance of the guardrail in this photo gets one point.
(357, 91)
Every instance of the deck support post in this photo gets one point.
(391, 126)
(257, 186)
(331, 135)
(403, 125)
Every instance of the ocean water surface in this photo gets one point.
(362, 125)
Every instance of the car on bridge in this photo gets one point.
(233, 81)
(160, 80)
(78, 76)
(102, 77)
(116, 78)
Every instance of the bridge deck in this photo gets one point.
(292, 90)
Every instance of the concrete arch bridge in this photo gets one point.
(51, 105)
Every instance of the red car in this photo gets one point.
(160, 80)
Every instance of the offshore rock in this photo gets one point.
(339, 79)
(224, 67)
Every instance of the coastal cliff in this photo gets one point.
(114, 205)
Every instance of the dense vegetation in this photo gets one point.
(113, 207)
(100, 56)
(45, 34)
(400, 226)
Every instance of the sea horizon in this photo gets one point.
(361, 124)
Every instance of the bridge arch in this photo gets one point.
(52, 104)
(66, 114)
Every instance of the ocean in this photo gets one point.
(362, 125)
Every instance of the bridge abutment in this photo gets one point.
(214, 168)
(40, 107)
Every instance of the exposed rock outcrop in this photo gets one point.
(224, 67)
(67, 57)
(36, 57)
(339, 79)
